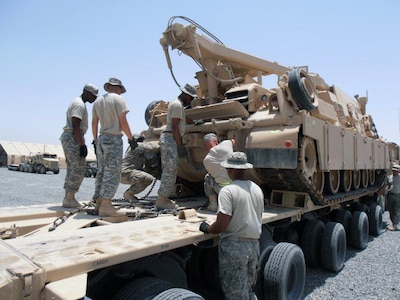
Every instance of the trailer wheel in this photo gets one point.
(356, 179)
(333, 249)
(285, 272)
(343, 216)
(359, 230)
(262, 260)
(142, 288)
(177, 294)
(311, 242)
(302, 89)
(375, 220)
(345, 180)
(332, 181)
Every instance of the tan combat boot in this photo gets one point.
(69, 200)
(393, 227)
(106, 209)
(97, 202)
(130, 196)
(165, 203)
(213, 205)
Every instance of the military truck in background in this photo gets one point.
(316, 155)
(41, 163)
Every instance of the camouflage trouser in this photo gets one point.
(109, 164)
(76, 165)
(169, 164)
(393, 205)
(237, 267)
(132, 170)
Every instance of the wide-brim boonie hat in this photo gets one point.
(237, 160)
(396, 167)
(114, 81)
(189, 89)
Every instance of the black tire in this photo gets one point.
(147, 115)
(142, 288)
(262, 260)
(311, 242)
(285, 272)
(177, 294)
(302, 89)
(359, 232)
(344, 217)
(88, 173)
(42, 170)
(333, 247)
(375, 220)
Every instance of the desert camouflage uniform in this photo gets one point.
(132, 169)
(109, 150)
(75, 164)
(237, 267)
(169, 159)
(393, 198)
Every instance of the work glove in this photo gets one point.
(138, 138)
(181, 151)
(83, 151)
(133, 144)
(204, 227)
(94, 147)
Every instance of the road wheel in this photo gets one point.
(332, 181)
(356, 179)
(285, 272)
(311, 242)
(344, 217)
(364, 178)
(372, 177)
(345, 180)
(302, 89)
(142, 288)
(359, 231)
(375, 220)
(333, 249)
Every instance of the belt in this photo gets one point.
(240, 239)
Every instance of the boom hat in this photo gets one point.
(114, 81)
(189, 90)
(91, 88)
(237, 160)
(396, 167)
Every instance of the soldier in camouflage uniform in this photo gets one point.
(73, 143)
(133, 168)
(240, 208)
(110, 110)
(393, 197)
(172, 147)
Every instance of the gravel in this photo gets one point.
(372, 273)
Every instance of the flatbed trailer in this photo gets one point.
(38, 263)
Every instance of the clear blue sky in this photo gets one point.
(50, 49)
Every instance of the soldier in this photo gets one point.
(133, 165)
(73, 143)
(240, 208)
(393, 197)
(217, 177)
(172, 147)
(110, 110)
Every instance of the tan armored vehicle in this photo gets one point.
(302, 135)
(317, 156)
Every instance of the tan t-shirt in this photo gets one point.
(175, 110)
(108, 108)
